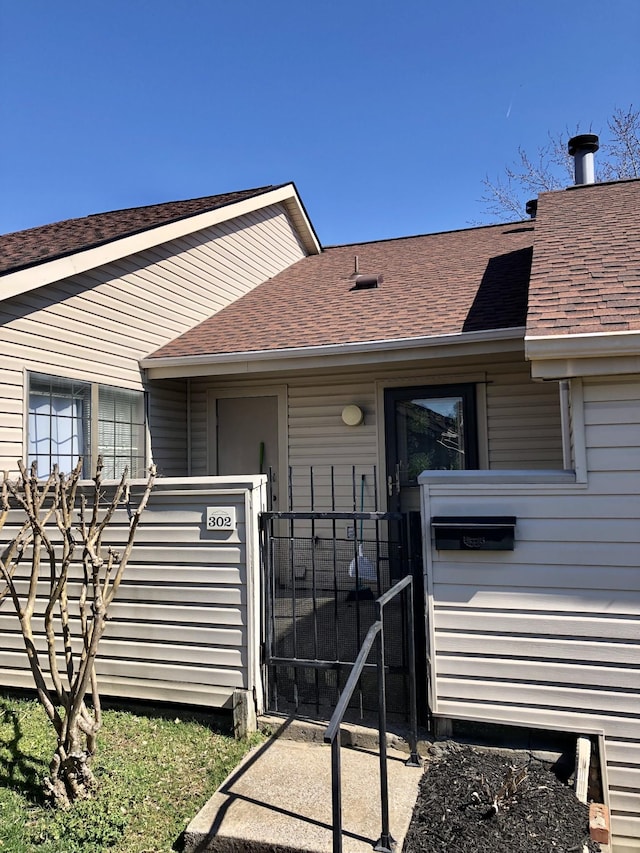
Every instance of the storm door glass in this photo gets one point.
(430, 429)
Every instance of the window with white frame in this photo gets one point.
(68, 419)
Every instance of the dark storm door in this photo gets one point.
(427, 428)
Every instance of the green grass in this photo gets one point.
(154, 773)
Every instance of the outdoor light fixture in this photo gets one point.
(352, 415)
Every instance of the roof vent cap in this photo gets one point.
(366, 282)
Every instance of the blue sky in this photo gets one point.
(387, 115)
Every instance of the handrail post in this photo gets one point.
(414, 758)
(385, 842)
(336, 793)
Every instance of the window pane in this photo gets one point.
(121, 431)
(430, 435)
(58, 423)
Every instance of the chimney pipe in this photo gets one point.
(582, 149)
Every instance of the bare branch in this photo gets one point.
(551, 167)
(52, 505)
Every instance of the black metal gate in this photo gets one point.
(323, 572)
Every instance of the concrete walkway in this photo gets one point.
(279, 801)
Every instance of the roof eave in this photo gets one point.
(344, 354)
(29, 278)
(585, 354)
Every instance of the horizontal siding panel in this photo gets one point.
(557, 509)
(570, 699)
(209, 696)
(576, 720)
(624, 483)
(142, 650)
(625, 834)
(186, 574)
(202, 634)
(611, 412)
(175, 653)
(623, 777)
(170, 593)
(620, 436)
(625, 752)
(131, 668)
(206, 695)
(558, 576)
(229, 678)
(613, 459)
(536, 672)
(558, 600)
(624, 801)
(551, 553)
(188, 556)
(544, 648)
(604, 391)
(536, 624)
(213, 615)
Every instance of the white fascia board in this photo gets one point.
(335, 355)
(47, 272)
(588, 354)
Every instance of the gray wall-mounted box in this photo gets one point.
(474, 533)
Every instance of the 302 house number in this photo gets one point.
(221, 518)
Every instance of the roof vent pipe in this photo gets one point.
(582, 149)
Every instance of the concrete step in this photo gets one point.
(278, 800)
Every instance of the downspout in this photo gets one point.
(565, 423)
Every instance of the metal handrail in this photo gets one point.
(332, 734)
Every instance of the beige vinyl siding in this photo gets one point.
(168, 427)
(184, 626)
(548, 635)
(523, 420)
(96, 326)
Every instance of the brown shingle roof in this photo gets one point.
(586, 261)
(22, 249)
(433, 285)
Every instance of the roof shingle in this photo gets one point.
(22, 249)
(435, 284)
(586, 261)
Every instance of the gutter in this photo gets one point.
(193, 365)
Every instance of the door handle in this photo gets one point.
(391, 485)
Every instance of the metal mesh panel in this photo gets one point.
(322, 593)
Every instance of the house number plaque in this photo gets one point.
(221, 518)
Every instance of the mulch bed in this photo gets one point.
(472, 799)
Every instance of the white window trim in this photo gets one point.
(94, 388)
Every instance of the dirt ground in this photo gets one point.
(473, 799)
